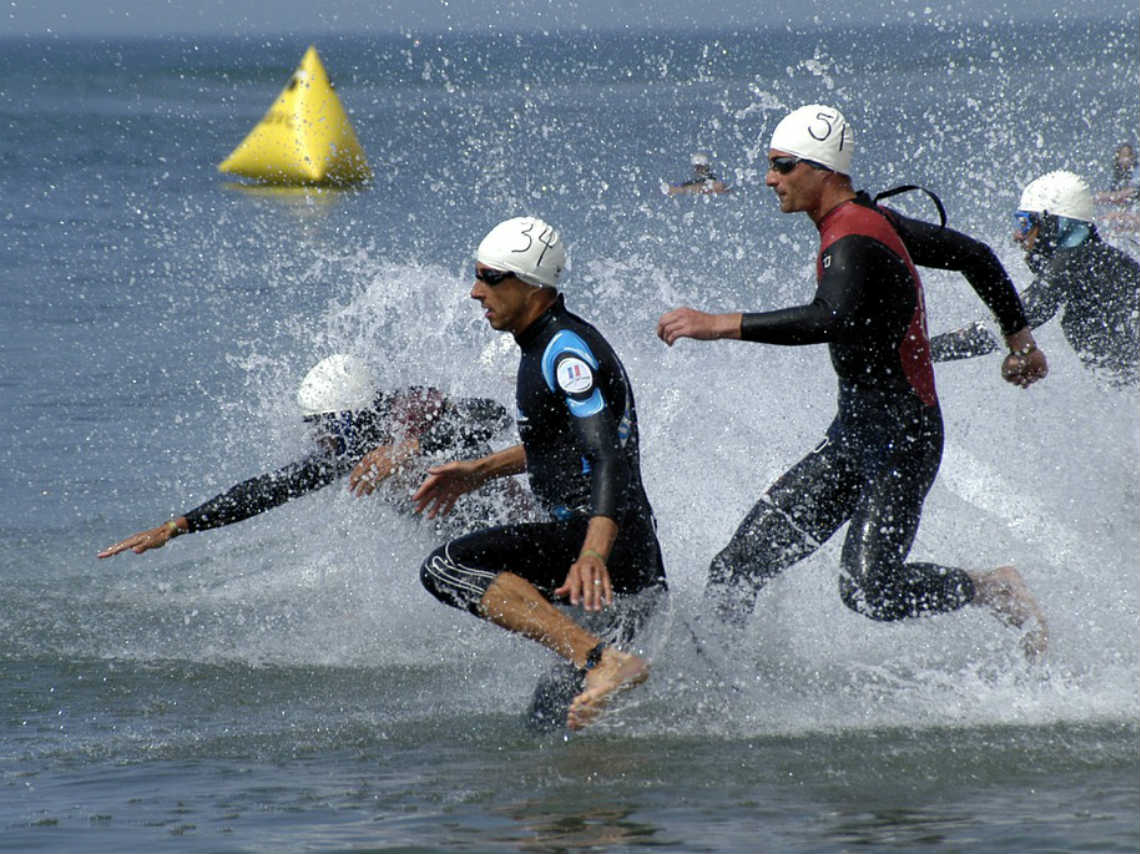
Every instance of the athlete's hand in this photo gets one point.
(378, 465)
(689, 323)
(141, 542)
(1026, 364)
(588, 583)
(1024, 370)
(443, 487)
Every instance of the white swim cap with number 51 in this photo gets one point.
(817, 133)
(527, 247)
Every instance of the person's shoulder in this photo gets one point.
(855, 218)
(576, 336)
(1104, 249)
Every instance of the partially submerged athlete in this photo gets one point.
(703, 182)
(1094, 285)
(881, 454)
(358, 429)
(580, 450)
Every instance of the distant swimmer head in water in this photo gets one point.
(337, 396)
(1055, 212)
(817, 134)
(526, 247)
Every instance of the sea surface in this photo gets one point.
(286, 684)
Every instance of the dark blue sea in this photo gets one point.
(286, 684)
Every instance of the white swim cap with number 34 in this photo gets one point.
(817, 133)
(527, 247)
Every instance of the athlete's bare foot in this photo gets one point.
(616, 672)
(1004, 591)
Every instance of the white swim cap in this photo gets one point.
(817, 133)
(339, 383)
(700, 159)
(527, 247)
(1059, 193)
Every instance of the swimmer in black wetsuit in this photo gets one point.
(1097, 284)
(374, 435)
(703, 182)
(579, 447)
(882, 452)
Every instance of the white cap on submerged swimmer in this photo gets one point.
(700, 159)
(337, 384)
(817, 133)
(527, 247)
(1060, 193)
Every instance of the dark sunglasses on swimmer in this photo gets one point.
(784, 165)
(1026, 222)
(492, 277)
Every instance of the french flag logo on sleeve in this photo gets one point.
(574, 376)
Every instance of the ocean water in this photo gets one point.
(286, 684)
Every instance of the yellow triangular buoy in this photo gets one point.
(305, 138)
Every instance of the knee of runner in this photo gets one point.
(871, 600)
(451, 583)
(721, 570)
(430, 577)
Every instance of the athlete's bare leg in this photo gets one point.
(1005, 592)
(515, 604)
(616, 672)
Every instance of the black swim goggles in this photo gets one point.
(1026, 221)
(784, 165)
(492, 277)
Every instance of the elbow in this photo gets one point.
(609, 488)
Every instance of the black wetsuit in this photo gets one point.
(882, 451)
(458, 426)
(704, 184)
(578, 426)
(1099, 287)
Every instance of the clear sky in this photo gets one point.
(227, 17)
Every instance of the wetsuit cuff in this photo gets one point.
(593, 658)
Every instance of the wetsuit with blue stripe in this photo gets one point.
(882, 451)
(578, 426)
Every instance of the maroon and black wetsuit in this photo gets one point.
(882, 451)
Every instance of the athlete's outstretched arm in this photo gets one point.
(813, 323)
(964, 343)
(1023, 366)
(687, 322)
(154, 538)
(239, 502)
(446, 483)
(821, 320)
